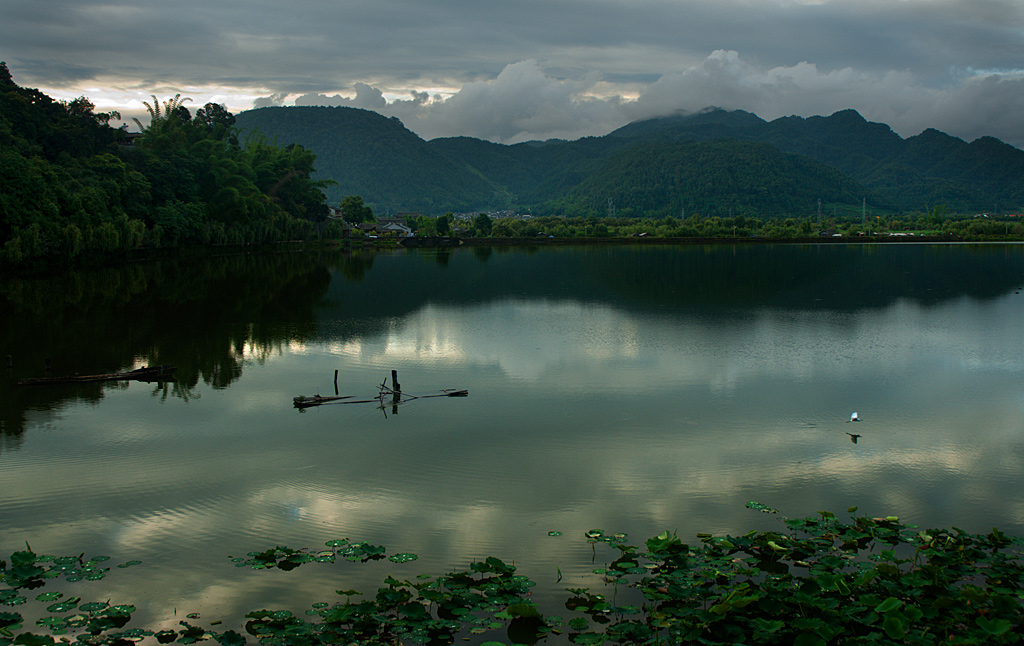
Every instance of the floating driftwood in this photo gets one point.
(394, 393)
(149, 373)
(446, 392)
(305, 401)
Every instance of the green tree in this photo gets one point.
(216, 119)
(354, 211)
(443, 224)
(483, 224)
(503, 228)
(426, 226)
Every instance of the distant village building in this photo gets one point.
(385, 227)
(394, 226)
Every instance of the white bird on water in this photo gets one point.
(854, 417)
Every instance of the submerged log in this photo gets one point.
(149, 373)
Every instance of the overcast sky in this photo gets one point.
(535, 69)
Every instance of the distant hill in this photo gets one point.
(714, 162)
(736, 177)
(373, 156)
(930, 168)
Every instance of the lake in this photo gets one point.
(629, 388)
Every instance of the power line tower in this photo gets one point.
(611, 208)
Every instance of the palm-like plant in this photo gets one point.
(170, 107)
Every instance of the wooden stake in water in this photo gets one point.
(396, 389)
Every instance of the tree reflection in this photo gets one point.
(212, 317)
(208, 317)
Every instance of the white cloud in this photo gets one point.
(366, 97)
(525, 101)
(273, 100)
(557, 68)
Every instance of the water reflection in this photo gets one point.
(209, 317)
(630, 389)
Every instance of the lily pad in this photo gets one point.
(77, 621)
(403, 557)
(10, 620)
(753, 504)
(49, 596)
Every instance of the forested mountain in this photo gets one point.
(376, 158)
(658, 166)
(70, 185)
(929, 168)
(744, 178)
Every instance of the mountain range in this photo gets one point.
(715, 162)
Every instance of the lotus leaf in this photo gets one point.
(404, 557)
(49, 596)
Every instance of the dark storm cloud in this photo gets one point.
(509, 71)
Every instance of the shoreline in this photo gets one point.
(807, 240)
(143, 254)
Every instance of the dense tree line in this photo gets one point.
(71, 185)
(937, 222)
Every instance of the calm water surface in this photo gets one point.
(628, 389)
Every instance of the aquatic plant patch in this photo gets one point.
(814, 581)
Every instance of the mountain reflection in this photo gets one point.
(212, 316)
